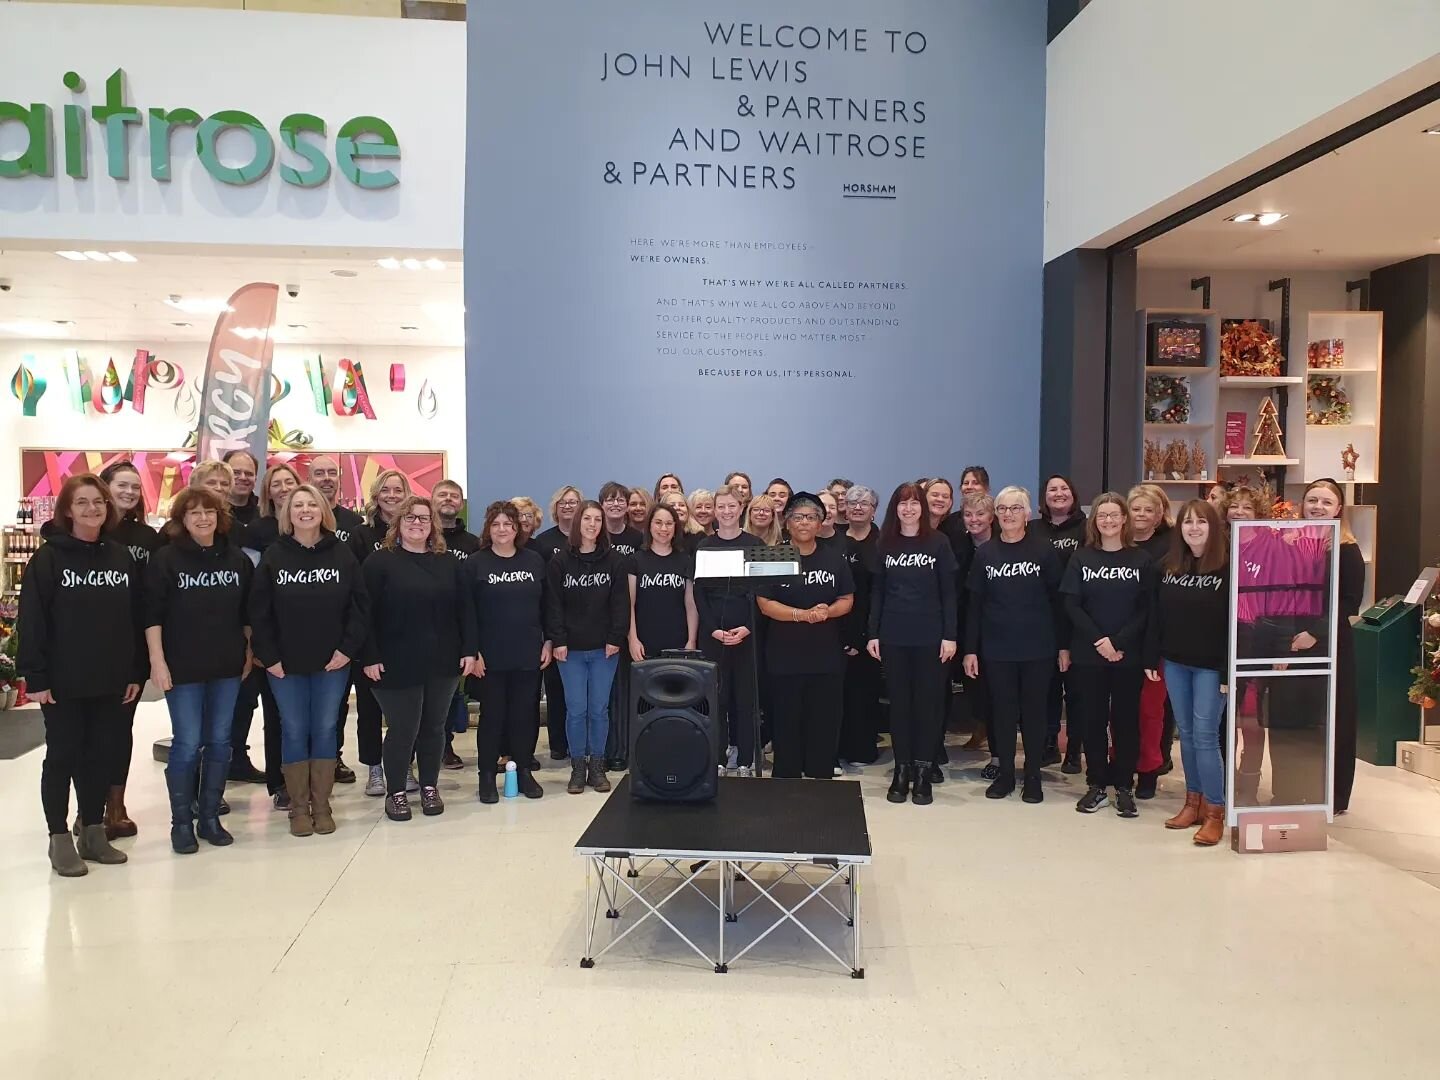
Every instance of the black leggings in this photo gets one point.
(509, 711)
(555, 711)
(415, 726)
(1018, 689)
(256, 690)
(916, 680)
(1104, 701)
(367, 718)
(123, 746)
(807, 724)
(862, 718)
(80, 738)
(736, 692)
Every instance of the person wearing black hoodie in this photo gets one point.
(308, 618)
(1015, 626)
(564, 505)
(587, 618)
(448, 498)
(1063, 521)
(421, 643)
(138, 538)
(506, 583)
(912, 623)
(1150, 525)
(863, 718)
(244, 505)
(197, 628)
(1109, 590)
(81, 661)
(625, 541)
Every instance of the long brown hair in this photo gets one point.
(890, 530)
(65, 520)
(1217, 545)
(436, 541)
(602, 542)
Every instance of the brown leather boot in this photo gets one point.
(297, 783)
(322, 780)
(1210, 833)
(117, 819)
(1189, 815)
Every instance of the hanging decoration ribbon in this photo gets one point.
(279, 388)
(139, 379)
(108, 395)
(27, 387)
(350, 394)
(75, 379)
(426, 403)
(187, 405)
(397, 378)
(315, 376)
(163, 375)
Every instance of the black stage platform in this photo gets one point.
(813, 826)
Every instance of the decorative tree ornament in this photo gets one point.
(1268, 441)
(1349, 458)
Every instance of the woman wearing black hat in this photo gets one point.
(912, 627)
(803, 649)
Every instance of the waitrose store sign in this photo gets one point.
(364, 149)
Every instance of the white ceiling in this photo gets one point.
(126, 302)
(1371, 203)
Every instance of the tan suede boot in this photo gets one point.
(1189, 815)
(297, 783)
(322, 780)
(1210, 833)
(117, 818)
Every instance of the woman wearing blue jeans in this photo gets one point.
(309, 616)
(197, 630)
(1194, 622)
(587, 617)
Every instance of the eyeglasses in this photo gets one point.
(567, 504)
(805, 517)
(617, 499)
(1010, 509)
(527, 517)
(1110, 517)
(415, 519)
(89, 504)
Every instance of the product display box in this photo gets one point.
(1176, 344)
(1264, 832)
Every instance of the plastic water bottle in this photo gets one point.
(512, 782)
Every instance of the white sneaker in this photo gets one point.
(837, 771)
(411, 784)
(732, 757)
(375, 784)
(743, 770)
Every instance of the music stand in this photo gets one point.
(746, 570)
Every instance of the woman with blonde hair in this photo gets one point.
(702, 510)
(1246, 504)
(530, 518)
(214, 476)
(761, 522)
(638, 508)
(690, 532)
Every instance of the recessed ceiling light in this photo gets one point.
(97, 256)
(434, 264)
(1270, 218)
(344, 273)
(1241, 218)
(198, 305)
(73, 256)
(388, 263)
(181, 324)
(64, 322)
(123, 257)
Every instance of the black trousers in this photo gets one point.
(617, 739)
(1058, 703)
(555, 711)
(861, 719)
(367, 717)
(1018, 689)
(918, 686)
(415, 726)
(1104, 700)
(80, 739)
(123, 746)
(256, 691)
(736, 692)
(807, 724)
(509, 713)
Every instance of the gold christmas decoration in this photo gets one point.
(1199, 459)
(1177, 460)
(1248, 348)
(1268, 441)
(1154, 459)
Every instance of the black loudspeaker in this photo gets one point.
(674, 737)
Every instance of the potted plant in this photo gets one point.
(7, 682)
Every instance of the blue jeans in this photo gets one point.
(309, 707)
(1198, 705)
(587, 675)
(201, 715)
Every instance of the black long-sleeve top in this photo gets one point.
(245, 513)
(720, 606)
(661, 621)
(861, 555)
(587, 599)
(79, 621)
(912, 599)
(459, 542)
(137, 538)
(1111, 594)
(198, 597)
(421, 619)
(549, 543)
(1015, 610)
(1067, 537)
(305, 603)
(509, 599)
(1193, 613)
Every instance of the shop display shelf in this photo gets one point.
(1259, 382)
(1256, 462)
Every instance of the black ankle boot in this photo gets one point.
(488, 794)
(920, 795)
(900, 784)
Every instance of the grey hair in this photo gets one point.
(860, 493)
(1017, 493)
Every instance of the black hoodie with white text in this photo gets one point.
(1015, 612)
(305, 603)
(137, 538)
(1111, 594)
(80, 619)
(912, 597)
(587, 599)
(1067, 537)
(199, 598)
(1194, 616)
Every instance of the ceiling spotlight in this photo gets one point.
(123, 257)
(434, 264)
(64, 322)
(1241, 218)
(388, 263)
(198, 305)
(97, 256)
(1270, 218)
(73, 256)
(181, 324)
(1433, 129)
(344, 273)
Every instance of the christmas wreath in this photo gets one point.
(1331, 404)
(1167, 399)
(1425, 690)
(1248, 348)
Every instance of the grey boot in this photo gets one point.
(94, 847)
(64, 860)
(597, 779)
(577, 776)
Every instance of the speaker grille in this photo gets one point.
(672, 752)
